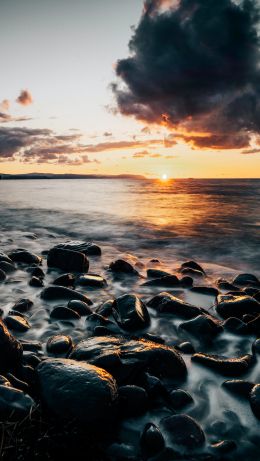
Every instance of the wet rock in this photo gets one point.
(31, 359)
(151, 441)
(34, 346)
(36, 271)
(80, 307)
(7, 267)
(153, 385)
(57, 292)
(10, 349)
(121, 452)
(91, 280)
(24, 256)
(156, 273)
(254, 325)
(209, 291)
(87, 248)
(130, 313)
(256, 346)
(246, 280)
(14, 402)
(64, 313)
(123, 357)
(17, 383)
(2, 275)
(223, 447)
(192, 272)
(122, 266)
(65, 280)
(192, 265)
(257, 296)
(239, 387)
(67, 260)
(17, 323)
(236, 325)
(36, 282)
(165, 302)
(203, 326)
(23, 305)
(186, 281)
(237, 306)
(227, 286)
(186, 347)
(184, 430)
(4, 257)
(59, 344)
(154, 338)
(133, 400)
(180, 399)
(226, 366)
(254, 399)
(166, 281)
(79, 391)
(106, 308)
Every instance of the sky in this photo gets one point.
(180, 102)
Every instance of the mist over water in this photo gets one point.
(215, 221)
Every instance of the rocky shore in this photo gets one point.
(126, 360)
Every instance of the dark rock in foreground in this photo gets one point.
(254, 399)
(79, 391)
(246, 280)
(130, 313)
(151, 441)
(87, 248)
(14, 402)
(11, 350)
(226, 366)
(67, 260)
(203, 326)
(184, 430)
(17, 323)
(239, 387)
(24, 256)
(165, 302)
(237, 306)
(59, 344)
(91, 280)
(57, 292)
(122, 266)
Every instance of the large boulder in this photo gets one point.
(24, 256)
(67, 260)
(77, 390)
(87, 248)
(236, 306)
(55, 293)
(11, 350)
(246, 280)
(165, 302)
(130, 313)
(123, 357)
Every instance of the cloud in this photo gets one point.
(194, 67)
(24, 98)
(7, 118)
(146, 153)
(5, 105)
(107, 134)
(250, 151)
(119, 145)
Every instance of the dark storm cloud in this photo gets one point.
(194, 66)
(25, 98)
(12, 140)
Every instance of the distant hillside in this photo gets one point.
(69, 176)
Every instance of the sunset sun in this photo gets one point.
(164, 177)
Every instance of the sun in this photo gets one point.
(164, 177)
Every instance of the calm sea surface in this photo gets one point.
(215, 221)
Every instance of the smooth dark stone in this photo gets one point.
(2, 275)
(57, 292)
(59, 344)
(17, 383)
(14, 402)
(33, 346)
(153, 385)
(227, 286)
(24, 256)
(67, 260)
(122, 266)
(65, 280)
(254, 398)
(166, 281)
(36, 271)
(106, 308)
(237, 306)
(133, 400)
(151, 441)
(7, 267)
(165, 302)
(64, 313)
(203, 326)
(184, 430)
(79, 391)
(91, 280)
(223, 446)
(192, 265)
(186, 347)
(186, 281)
(256, 346)
(102, 331)
(4, 257)
(254, 325)
(17, 323)
(156, 273)
(180, 399)
(154, 338)
(98, 319)
(246, 279)
(123, 357)
(10, 349)
(80, 307)
(238, 386)
(223, 365)
(130, 313)
(192, 272)
(209, 291)
(236, 325)
(87, 248)
(30, 358)
(36, 282)
(23, 305)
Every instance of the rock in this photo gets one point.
(7, 267)
(17, 323)
(31, 359)
(245, 280)
(257, 296)
(122, 266)
(123, 357)
(87, 248)
(165, 302)
(67, 260)
(180, 399)
(64, 313)
(238, 386)
(121, 452)
(79, 391)
(80, 307)
(186, 347)
(59, 344)
(254, 399)
(36, 271)
(130, 313)
(209, 291)
(36, 282)
(237, 306)
(105, 309)
(166, 281)
(133, 400)
(154, 338)
(155, 273)
(184, 430)
(34, 346)
(254, 325)
(23, 305)
(203, 326)
(57, 292)
(236, 325)
(24, 256)
(192, 265)
(151, 441)
(4, 257)
(227, 286)
(192, 272)
(2, 275)
(65, 280)
(91, 280)
(223, 446)
(14, 402)
(186, 281)
(10, 349)
(223, 365)
(256, 346)
(17, 383)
